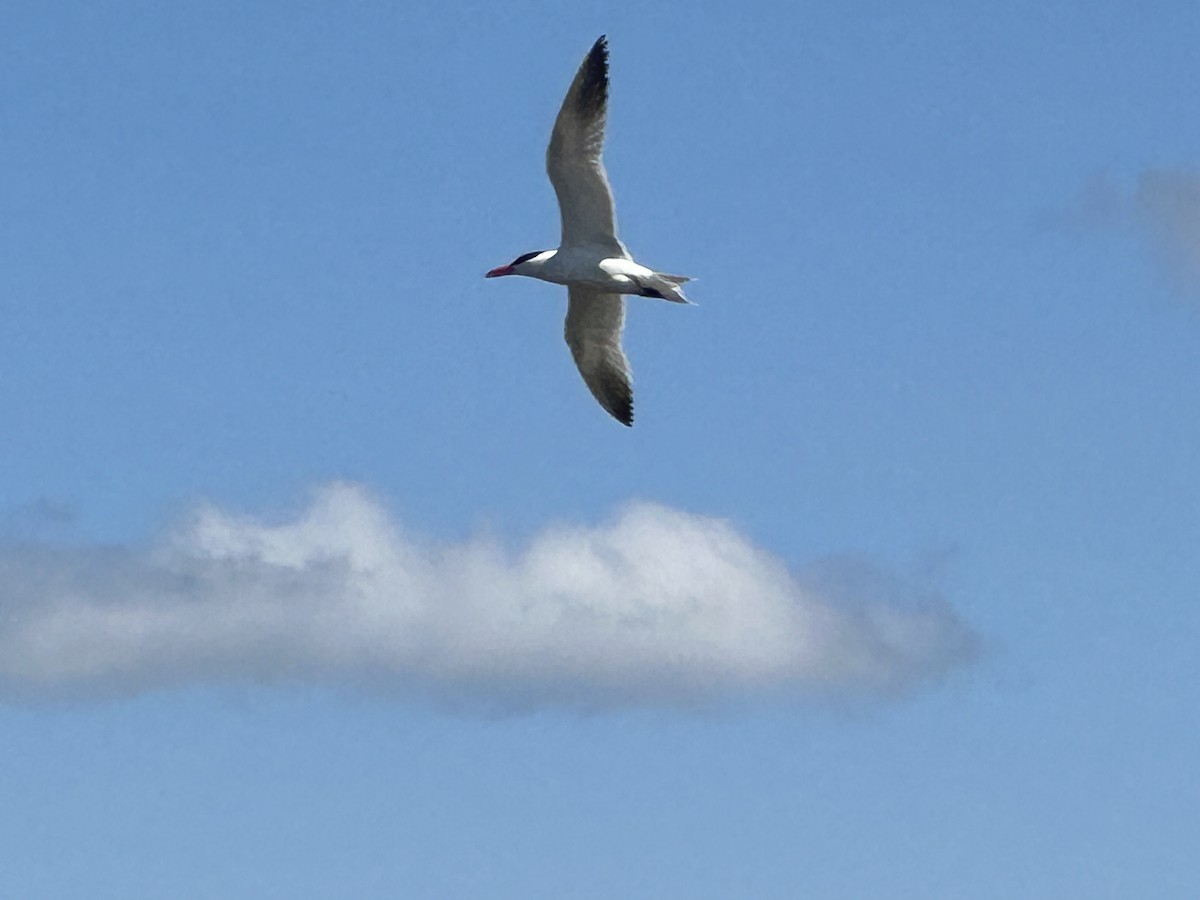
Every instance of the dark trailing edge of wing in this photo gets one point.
(593, 89)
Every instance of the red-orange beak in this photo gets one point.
(498, 271)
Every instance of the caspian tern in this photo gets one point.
(591, 261)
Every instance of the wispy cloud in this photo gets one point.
(655, 607)
(1162, 209)
(35, 517)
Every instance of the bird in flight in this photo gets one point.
(590, 260)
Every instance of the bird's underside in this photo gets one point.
(591, 260)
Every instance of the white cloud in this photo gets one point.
(1162, 210)
(656, 607)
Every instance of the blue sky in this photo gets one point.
(322, 575)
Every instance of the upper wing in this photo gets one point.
(593, 332)
(573, 158)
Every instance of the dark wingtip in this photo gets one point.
(593, 93)
(622, 411)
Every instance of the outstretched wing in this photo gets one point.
(573, 158)
(593, 331)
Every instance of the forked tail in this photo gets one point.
(662, 286)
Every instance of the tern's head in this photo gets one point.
(525, 264)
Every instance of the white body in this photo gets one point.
(589, 267)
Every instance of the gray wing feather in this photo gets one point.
(573, 159)
(593, 331)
